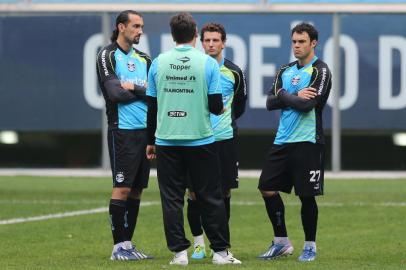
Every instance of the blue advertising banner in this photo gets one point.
(48, 77)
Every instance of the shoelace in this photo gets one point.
(307, 253)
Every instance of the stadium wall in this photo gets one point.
(55, 56)
(49, 90)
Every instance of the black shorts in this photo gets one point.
(189, 166)
(129, 164)
(299, 165)
(228, 157)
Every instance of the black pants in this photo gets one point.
(173, 162)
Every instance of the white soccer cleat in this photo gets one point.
(276, 251)
(227, 259)
(180, 258)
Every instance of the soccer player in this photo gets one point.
(183, 89)
(122, 73)
(213, 37)
(296, 159)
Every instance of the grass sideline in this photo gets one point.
(361, 226)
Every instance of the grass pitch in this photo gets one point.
(362, 225)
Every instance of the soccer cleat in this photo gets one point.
(199, 253)
(180, 258)
(123, 255)
(276, 251)
(139, 254)
(308, 255)
(228, 259)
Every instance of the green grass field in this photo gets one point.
(362, 225)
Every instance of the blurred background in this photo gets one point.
(51, 109)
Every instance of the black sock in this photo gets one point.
(309, 213)
(133, 206)
(227, 205)
(276, 213)
(194, 217)
(117, 213)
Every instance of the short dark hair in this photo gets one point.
(213, 27)
(123, 17)
(183, 27)
(308, 28)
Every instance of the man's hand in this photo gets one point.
(307, 93)
(150, 151)
(127, 86)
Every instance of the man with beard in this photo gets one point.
(122, 74)
(296, 158)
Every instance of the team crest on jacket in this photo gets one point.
(295, 80)
(131, 66)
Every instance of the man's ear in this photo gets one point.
(314, 43)
(121, 27)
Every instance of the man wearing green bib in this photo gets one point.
(183, 89)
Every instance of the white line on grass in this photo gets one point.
(53, 216)
(150, 203)
(64, 214)
(53, 202)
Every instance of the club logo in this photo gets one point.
(295, 80)
(119, 177)
(131, 66)
(184, 59)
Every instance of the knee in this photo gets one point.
(308, 200)
(120, 193)
(309, 203)
(266, 193)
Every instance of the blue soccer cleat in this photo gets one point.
(276, 251)
(308, 254)
(139, 254)
(123, 255)
(199, 253)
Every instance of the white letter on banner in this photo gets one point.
(167, 42)
(92, 96)
(351, 70)
(237, 44)
(143, 46)
(387, 44)
(258, 70)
